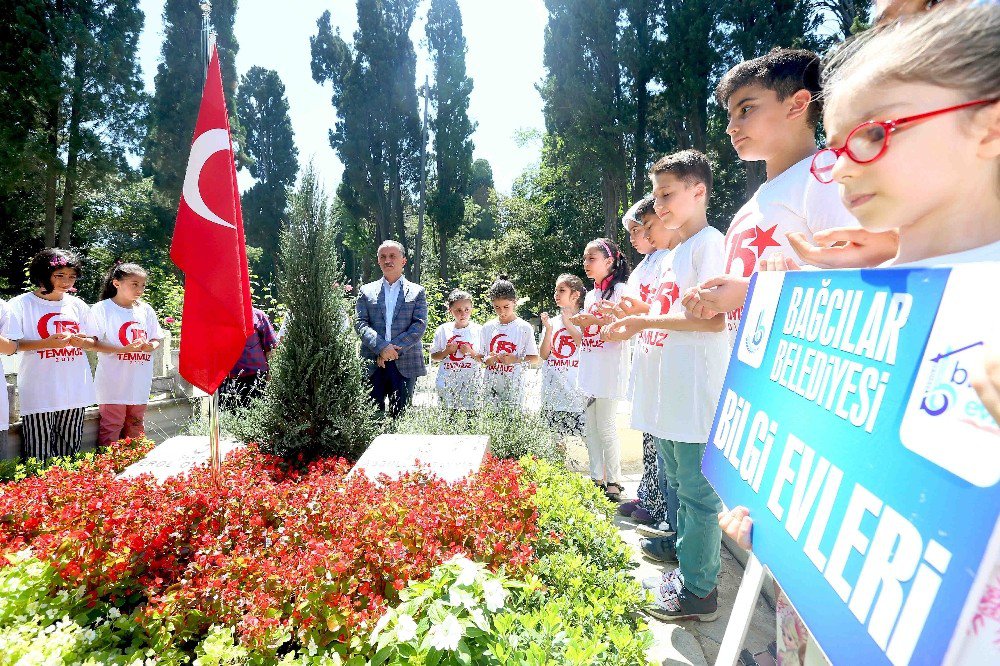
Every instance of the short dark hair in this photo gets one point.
(47, 262)
(502, 290)
(689, 165)
(456, 296)
(785, 71)
(646, 207)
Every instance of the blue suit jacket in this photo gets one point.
(409, 322)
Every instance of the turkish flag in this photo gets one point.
(210, 248)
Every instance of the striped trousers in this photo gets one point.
(50, 434)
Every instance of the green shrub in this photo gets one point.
(317, 401)
(513, 433)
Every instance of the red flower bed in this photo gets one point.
(273, 551)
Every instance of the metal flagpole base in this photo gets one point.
(214, 460)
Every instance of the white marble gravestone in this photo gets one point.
(450, 457)
(175, 456)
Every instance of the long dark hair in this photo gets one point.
(118, 272)
(619, 267)
(47, 262)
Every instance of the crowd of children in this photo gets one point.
(909, 177)
(53, 329)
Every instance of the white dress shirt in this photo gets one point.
(391, 296)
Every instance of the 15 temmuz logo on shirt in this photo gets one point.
(127, 334)
(666, 294)
(48, 325)
(592, 334)
(563, 349)
(747, 247)
(501, 345)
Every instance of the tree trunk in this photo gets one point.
(641, 113)
(52, 174)
(73, 153)
(443, 256)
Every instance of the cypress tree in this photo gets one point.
(263, 112)
(317, 402)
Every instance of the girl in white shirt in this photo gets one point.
(562, 402)
(603, 365)
(508, 343)
(457, 347)
(128, 332)
(54, 382)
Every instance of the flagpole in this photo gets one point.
(214, 459)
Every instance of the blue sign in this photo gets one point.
(848, 425)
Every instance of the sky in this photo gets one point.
(504, 60)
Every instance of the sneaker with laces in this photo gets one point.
(655, 582)
(662, 529)
(674, 603)
(659, 550)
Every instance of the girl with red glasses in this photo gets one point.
(913, 120)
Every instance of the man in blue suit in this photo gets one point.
(391, 320)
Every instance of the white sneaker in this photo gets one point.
(661, 530)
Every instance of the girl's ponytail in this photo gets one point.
(118, 271)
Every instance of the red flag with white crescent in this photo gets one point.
(210, 248)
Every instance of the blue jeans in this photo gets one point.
(699, 538)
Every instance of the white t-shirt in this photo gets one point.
(603, 365)
(645, 275)
(10, 330)
(51, 380)
(678, 402)
(458, 375)
(560, 371)
(976, 255)
(641, 284)
(793, 201)
(124, 378)
(518, 338)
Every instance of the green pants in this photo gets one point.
(699, 538)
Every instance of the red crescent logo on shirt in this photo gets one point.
(60, 325)
(592, 331)
(748, 246)
(124, 334)
(666, 294)
(563, 345)
(458, 355)
(498, 345)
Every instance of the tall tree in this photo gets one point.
(377, 131)
(584, 102)
(263, 112)
(452, 127)
(851, 15)
(180, 78)
(78, 94)
(640, 46)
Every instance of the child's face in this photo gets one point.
(63, 280)
(637, 236)
(657, 234)
(757, 122)
(564, 296)
(929, 170)
(130, 287)
(461, 311)
(506, 310)
(676, 201)
(596, 264)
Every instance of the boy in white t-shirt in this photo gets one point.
(686, 389)
(650, 508)
(7, 346)
(774, 107)
(456, 347)
(508, 343)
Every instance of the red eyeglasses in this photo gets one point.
(868, 141)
